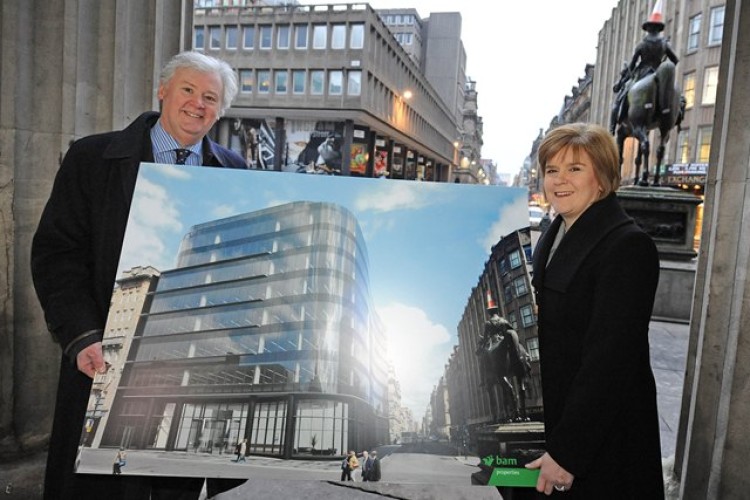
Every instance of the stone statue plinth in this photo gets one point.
(668, 215)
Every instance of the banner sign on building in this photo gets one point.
(686, 173)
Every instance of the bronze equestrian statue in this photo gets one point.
(505, 362)
(647, 98)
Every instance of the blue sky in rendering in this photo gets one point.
(427, 243)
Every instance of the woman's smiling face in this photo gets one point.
(570, 183)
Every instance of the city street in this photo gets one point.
(426, 463)
(420, 470)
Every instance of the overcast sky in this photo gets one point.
(525, 56)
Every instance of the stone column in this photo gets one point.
(69, 68)
(713, 442)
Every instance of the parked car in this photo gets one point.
(535, 216)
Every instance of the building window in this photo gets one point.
(282, 35)
(248, 37)
(716, 30)
(683, 146)
(515, 259)
(688, 89)
(214, 32)
(694, 32)
(264, 81)
(519, 284)
(268, 426)
(512, 319)
(527, 315)
(266, 37)
(300, 36)
(320, 36)
(354, 83)
(336, 82)
(532, 347)
(322, 423)
(298, 81)
(282, 82)
(246, 81)
(502, 267)
(357, 36)
(231, 37)
(710, 81)
(199, 39)
(317, 82)
(338, 36)
(507, 294)
(704, 144)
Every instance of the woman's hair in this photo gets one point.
(598, 144)
(205, 64)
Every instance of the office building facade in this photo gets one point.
(314, 73)
(263, 331)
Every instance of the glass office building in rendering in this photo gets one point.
(264, 331)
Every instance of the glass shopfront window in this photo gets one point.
(321, 428)
(269, 421)
(211, 427)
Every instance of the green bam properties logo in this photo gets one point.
(507, 472)
(497, 460)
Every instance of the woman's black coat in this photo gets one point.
(74, 258)
(595, 299)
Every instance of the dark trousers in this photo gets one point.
(346, 474)
(62, 483)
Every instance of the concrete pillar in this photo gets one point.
(713, 442)
(69, 68)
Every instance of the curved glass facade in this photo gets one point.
(265, 330)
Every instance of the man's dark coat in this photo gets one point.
(74, 258)
(595, 299)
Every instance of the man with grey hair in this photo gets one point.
(76, 248)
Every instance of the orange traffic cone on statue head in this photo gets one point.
(491, 305)
(655, 21)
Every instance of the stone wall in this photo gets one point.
(69, 69)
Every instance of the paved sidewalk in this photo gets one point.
(669, 343)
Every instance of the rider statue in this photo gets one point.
(648, 55)
(504, 361)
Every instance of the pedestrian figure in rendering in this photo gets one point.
(241, 449)
(366, 463)
(348, 465)
(76, 249)
(374, 468)
(120, 462)
(595, 273)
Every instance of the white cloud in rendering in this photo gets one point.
(506, 222)
(153, 213)
(394, 195)
(418, 349)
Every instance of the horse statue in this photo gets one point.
(653, 102)
(504, 361)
